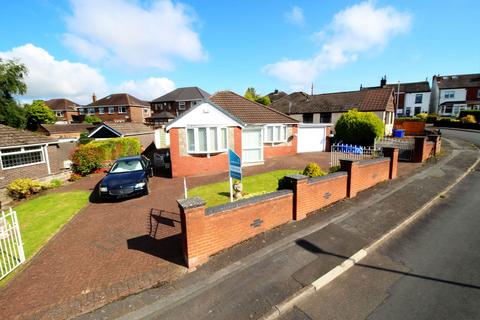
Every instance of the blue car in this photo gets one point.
(127, 177)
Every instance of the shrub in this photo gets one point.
(22, 188)
(422, 116)
(55, 183)
(475, 113)
(84, 139)
(469, 118)
(92, 119)
(74, 177)
(334, 169)
(313, 170)
(359, 128)
(431, 118)
(86, 159)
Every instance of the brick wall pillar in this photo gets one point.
(298, 183)
(192, 214)
(437, 140)
(351, 167)
(392, 153)
(419, 149)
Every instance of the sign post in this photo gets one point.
(234, 169)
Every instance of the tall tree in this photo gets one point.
(12, 75)
(251, 94)
(38, 113)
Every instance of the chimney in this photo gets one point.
(94, 98)
(383, 81)
(361, 87)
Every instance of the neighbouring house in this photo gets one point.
(200, 137)
(329, 107)
(145, 134)
(65, 131)
(174, 103)
(276, 95)
(118, 107)
(25, 154)
(411, 98)
(451, 94)
(64, 109)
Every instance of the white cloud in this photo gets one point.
(354, 30)
(147, 89)
(127, 33)
(51, 78)
(295, 16)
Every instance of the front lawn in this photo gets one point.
(219, 193)
(42, 217)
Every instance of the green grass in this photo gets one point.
(218, 193)
(42, 217)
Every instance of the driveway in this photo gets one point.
(110, 250)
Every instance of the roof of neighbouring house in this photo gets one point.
(68, 128)
(248, 111)
(458, 81)
(10, 137)
(411, 87)
(120, 99)
(62, 104)
(162, 115)
(276, 95)
(184, 94)
(363, 100)
(124, 128)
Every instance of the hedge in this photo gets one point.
(475, 113)
(359, 128)
(89, 157)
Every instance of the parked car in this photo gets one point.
(127, 177)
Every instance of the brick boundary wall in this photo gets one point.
(207, 231)
(412, 128)
(425, 147)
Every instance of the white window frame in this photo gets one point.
(111, 110)
(81, 111)
(196, 139)
(449, 94)
(59, 113)
(120, 108)
(421, 98)
(182, 105)
(281, 138)
(101, 110)
(90, 109)
(22, 151)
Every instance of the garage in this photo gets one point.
(312, 137)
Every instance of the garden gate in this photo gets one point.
(11, 246)
(342, 151)
(405, 146)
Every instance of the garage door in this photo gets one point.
(311, 138)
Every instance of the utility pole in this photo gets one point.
(312, 89)
(398, 97)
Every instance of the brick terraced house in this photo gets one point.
(201, 137)
(64, 109)
(329, 107)
(118, 107)
(25, 154)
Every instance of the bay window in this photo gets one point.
(207, 139)
(275, 133)
(21, 156)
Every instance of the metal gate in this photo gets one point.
(11, 246)
(351, 152)
(405, 146)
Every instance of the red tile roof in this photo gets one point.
(120, 99)
(62, 104)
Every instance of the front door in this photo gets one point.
(252, 145)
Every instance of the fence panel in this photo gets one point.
(11, 246)
(405, 146)
(351, 152)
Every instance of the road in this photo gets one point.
(431, 270)
(473, 137)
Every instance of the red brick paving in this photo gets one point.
(110, 250)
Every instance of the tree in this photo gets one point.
(251, 94)
(360, 128)
(38, 113)
(12, 83)
(92, 119)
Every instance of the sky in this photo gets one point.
(74, 48)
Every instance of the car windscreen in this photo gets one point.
(126, 166)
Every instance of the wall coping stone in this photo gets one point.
(247, 202)
(297, 176)
(191, 203)
(327, 177)
(375, 160)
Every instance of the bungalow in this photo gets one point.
(64, 109)
(25, 154)
(106, 130)
(118, 107)
(200, 137)
(329, 107)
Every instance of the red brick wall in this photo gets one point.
(32, 172)
(190, 165)
(423, 149)
(365, 173)
(412, 128)
(472, 93)
(313, 194)
(205, 235)
(282, 150)
(58, 153)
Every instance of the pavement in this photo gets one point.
(112, 250)
(430, 270)
(255, 278)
